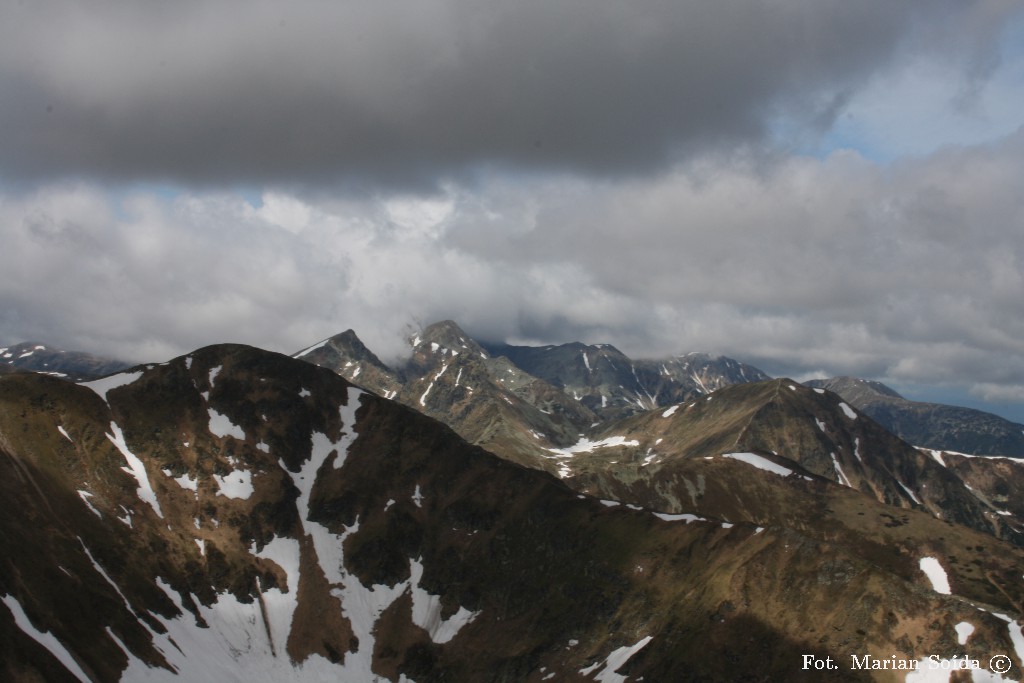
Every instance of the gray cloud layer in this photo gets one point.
(410, 90)
(538, 171)
(911, 273)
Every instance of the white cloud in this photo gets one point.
(909, 272)
(999, 393)
(284, 211)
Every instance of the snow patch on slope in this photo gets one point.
(585, 445)
(322, 446)
(222, 426)
(235, 484)
(615, 661)
(423, 398)
(311, 349)
(963, 631)
(908, 492)
(685, 517)
(937, 456)
(237, 646)
(936, 574)
(85, 496)
(426, 610)
(105, 384)
(135, 468)
(839, 471)
(106, 577)
(285, 553)
(760, 462)
(361, 605)
(184, 481)
(44, 638)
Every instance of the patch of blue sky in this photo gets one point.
(922, 106)
(958, 396)
(168, 193)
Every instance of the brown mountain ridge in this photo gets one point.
(238, 514)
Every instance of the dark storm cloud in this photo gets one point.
(403, 91)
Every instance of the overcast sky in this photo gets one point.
(817, 187)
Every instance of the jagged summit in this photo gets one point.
(613, 385)
(447, 335)
(347, 342)
(437, 345)
(519, 401)
(346, 355)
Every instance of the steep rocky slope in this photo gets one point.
(996, 480)
(489, 401)
(346, 354)
(520, 402)
(238, 515)
(612, 385)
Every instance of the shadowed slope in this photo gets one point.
(241, 515)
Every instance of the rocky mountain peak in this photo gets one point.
(346, 355)
(445, 336)
(348, 343)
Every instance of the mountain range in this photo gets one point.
(487, 512)
(73, 365)
(521, 402)
(931, 425)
